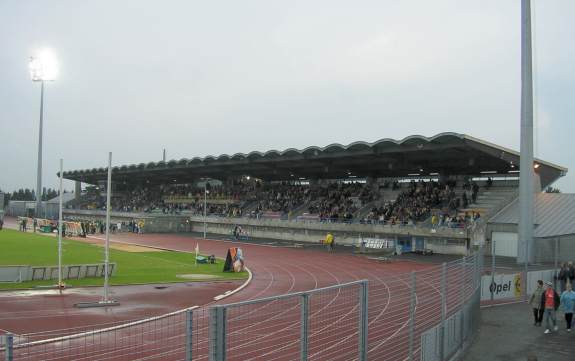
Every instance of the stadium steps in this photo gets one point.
(364, 211)
(249, 206)
(304, 208)
(299, 210)
(489, 201)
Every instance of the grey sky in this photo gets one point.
(215, 77)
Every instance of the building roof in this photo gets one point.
(554, 214)
(444, 153)
(67, 197)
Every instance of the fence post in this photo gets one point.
(217, 333)
(189, 338)
(304, 325)
(412, 316)
(492, 268)
(443, 312)
(9, 344)
(555, 263)
(462, 307)
(363, 321)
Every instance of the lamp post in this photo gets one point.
(526, 175)
(205, 204)
(43, 67)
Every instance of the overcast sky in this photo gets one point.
(211, 77)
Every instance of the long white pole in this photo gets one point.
(205, 202)
(60, 220)
(39, 170)
(107, 245)
(526, 194)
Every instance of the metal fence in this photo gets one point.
(429, 314)
(504, 280)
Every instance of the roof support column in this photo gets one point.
(77, 189)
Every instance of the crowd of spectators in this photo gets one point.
(340, 201)
(281, 198)
(416, 203)
(334, 202)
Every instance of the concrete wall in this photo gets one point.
(545, 249)
(447, 246)
(441, 240)
(500, 227)
(447, 242)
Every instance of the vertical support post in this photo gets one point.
(524, 285)
(205, 204)
(443, 311)
(217, 333)
(462, 305)
(412, 315)
(107, 245)
(189, 337)
(363, 321)
(60, 220)
(492, 267)
(9, 347)
(304, 326)
(39, 175)
(555, 262)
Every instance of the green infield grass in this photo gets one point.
(19, 248)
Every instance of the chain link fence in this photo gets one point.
(430, 314)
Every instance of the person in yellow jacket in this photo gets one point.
(329, 241)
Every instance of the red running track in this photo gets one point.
(270, 330)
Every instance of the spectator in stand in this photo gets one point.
(568, 304)
(464, 199)
(474, 191)
(489, 183)
(535, 302)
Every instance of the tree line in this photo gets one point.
(29, 195)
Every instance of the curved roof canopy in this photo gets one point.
(444, 153)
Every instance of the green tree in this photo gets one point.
(552, 190)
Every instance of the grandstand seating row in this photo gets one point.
(438, 204)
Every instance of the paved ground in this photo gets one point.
(507, 334)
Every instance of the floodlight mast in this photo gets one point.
(60, 220)
(526, 186)
(43, 67)
(107, 244)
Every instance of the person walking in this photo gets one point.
(535, 303)
(570, 273)
(550, 302)
(568, 304)
(329, 241)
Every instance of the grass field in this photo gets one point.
(17, 248)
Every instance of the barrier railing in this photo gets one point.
(430, 314)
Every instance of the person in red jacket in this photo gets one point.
(550, 302)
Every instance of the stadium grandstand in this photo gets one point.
(426, 193)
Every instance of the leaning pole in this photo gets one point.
(526, 191)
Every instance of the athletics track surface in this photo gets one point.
(270, 330)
